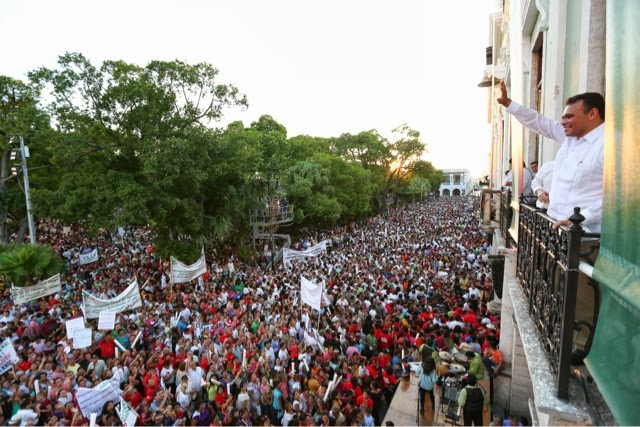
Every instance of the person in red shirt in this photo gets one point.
(24, 364)
(385, 341)
(364, 399)
(107, 347)
(383, 360)
(388, 379)
(470, 318)
(132, 396)
(293, 349)
(371, 367)
(151, 382)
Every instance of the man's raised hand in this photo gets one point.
(504, 99)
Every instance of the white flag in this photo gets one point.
(88, 258)
(311, 294)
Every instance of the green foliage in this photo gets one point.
(328, 188)
(19, 115)
(25, 265)
(424, 169)
(137, 148)
(418, 188)
(186, 251)
(136, 145)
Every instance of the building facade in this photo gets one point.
(457, 182)
(546, 51)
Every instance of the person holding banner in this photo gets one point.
(386, 274)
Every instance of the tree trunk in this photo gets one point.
(4, 207)
(22, 230)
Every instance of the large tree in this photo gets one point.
(390, 161)
(19, 116)
(137, 144)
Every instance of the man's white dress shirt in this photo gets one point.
(542, 181)
(577, 178)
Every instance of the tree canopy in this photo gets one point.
(123, 144)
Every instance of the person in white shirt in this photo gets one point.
(541, 184)
(195, 376)
(578, 172)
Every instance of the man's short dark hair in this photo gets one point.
(590, 100)
(471, 379)
(535, 162)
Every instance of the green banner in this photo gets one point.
(614, 357)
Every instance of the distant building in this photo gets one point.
(457, 182)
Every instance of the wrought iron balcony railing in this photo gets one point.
(506, 215)
(548, 270)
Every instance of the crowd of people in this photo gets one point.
(239, 347)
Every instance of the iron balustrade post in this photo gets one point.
(506, 214)
(497, 273)
(569, 298)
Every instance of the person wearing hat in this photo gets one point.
(472, 400)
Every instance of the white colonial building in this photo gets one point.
(457, 182)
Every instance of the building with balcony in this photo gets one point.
(564, 370)
(457, 182)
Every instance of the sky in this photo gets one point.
(318, 68)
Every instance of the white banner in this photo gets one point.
(82, 338)
(91, 400)
(73, 325)
(127, 415)
(48, 287)
(8, 356)
(127, 300)
(311, 294)
(289, 255)
(106, 321)
(183, 273)
(88, 258)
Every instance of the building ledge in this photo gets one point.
(574, 410)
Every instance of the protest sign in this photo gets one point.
(92, 399)
(88, 258)
(127, 415)
(182, 273)
(289, 255)
(8, 356)
(107, 321)
(82, 338)
(48, 287)
(127, 300)
(73, 325)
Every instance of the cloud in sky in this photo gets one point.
(319, 68)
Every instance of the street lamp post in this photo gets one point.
(24, 153)
(273, 211)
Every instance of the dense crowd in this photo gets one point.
(240, 347)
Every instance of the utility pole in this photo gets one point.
(27, 194)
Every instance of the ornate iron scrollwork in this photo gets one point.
(547, 269)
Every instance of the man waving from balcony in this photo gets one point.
(579, 164)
